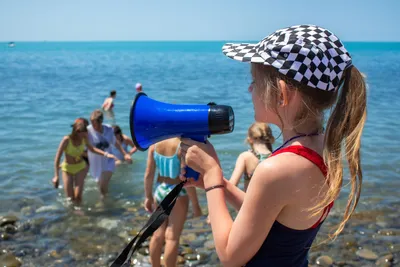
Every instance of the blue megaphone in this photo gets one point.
(152, 121)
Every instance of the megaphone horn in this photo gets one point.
(152, 121)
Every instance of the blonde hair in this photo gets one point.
(97, 115)
(260, 132)
(344, 127)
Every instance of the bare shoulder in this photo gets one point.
(246, 155)
(282, 170)
(151, 149)
(64, 141)
(289, 171)
(125, 137)
(271, 170)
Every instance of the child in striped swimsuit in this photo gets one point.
(164, 157)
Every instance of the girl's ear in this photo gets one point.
(284, 95)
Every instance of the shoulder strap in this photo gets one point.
(307, 153)
(315, 158)
(177, 148)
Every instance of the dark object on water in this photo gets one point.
(11, 44)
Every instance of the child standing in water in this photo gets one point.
(102, 136)
(108, 103)
(125, 141)
(108, 107)
(165, 158)
(260, 139)
(74, 168)
(298, 72)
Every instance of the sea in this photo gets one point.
(45, 86)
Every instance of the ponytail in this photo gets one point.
(344, 128)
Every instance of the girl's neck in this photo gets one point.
(75, 138)
(260, 148)
(99, 130)
(301, 129)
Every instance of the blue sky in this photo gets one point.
(90, 20)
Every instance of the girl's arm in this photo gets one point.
(98, 151)
(61, 148)
(240, 168)
(130, 143)
(148, 179)
(266, 196)
(233, 194)
(118, 145)
(105, 104)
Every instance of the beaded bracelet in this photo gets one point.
(213, 187)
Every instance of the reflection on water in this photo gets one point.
(109, 117)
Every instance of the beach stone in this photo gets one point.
(145, 244)
(47, 208)
(191, 257)
(390, 232)
(108, 223)
(350, 241)
(133, 232)
(382, 224)
(201, 256)
(188, 238)
(4, 236)
(395, 248)
(9, 260)
(27, 210)
(180, 260)
(341, 263)
(385, 260)
(209, 244)
(11, 229)
(202, 250)
(9, 219)
(324, 261)
(132, 209)
(186, 250)
(198, 225)
(144, 251)
(54, 254)
(367, 254)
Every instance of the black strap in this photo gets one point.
(156, 220)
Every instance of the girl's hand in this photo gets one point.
(148, 204)
(111, 156)
(128, 158)
(202, 158)
(190, 182)
(55, 181)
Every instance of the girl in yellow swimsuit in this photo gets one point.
(74, 167)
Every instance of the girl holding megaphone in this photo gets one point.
(298, 73)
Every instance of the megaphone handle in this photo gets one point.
(190, 173)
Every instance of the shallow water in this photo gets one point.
(47, 85)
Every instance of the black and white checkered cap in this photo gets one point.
(308, 54)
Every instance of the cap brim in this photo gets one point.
(243, 52)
